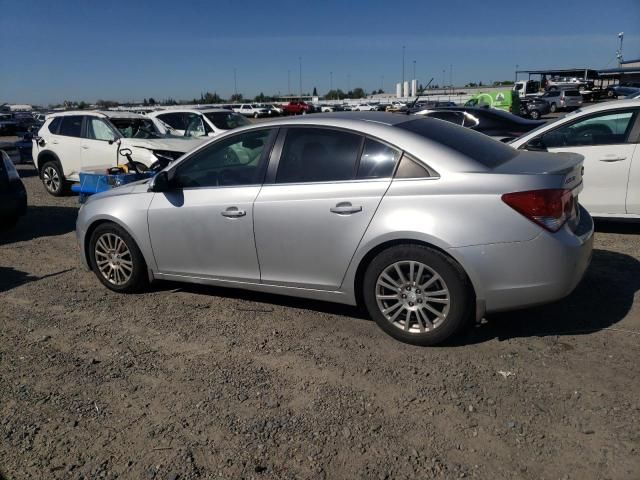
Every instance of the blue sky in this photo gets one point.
(127, 50)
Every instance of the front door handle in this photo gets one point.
(345, 208)
(84, 147)
(612, 158)
(233, 212)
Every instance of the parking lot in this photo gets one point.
(200, 382)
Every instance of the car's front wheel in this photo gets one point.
(553, 108)
(116, 259)
(417, 294)
(53, 178)
(534, 114)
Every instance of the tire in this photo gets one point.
(451, 294)
(534, 114)
(53, 178)
(125, 270)
(255, 115)
(553, 108)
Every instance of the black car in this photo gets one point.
(13, 196)
(8, 124)
(533, 107)
(424, 105)
(24, 147)
(496, 123)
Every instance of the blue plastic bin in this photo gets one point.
(94, 182)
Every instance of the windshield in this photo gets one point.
(136, 127)
(227, 120)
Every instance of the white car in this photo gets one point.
(326, 108)
(250, 110)
(207, 122)
(363, 107)
(607, 135)
(75, 141)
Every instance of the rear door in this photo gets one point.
(99, 147)
(608, 142)
(322, 191)
(67, 144)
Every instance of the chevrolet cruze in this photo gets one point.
(427, 224)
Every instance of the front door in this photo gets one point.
(203, 226)
(311, 218)
(99, 147)
(604, 140)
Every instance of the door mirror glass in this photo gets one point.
(125, 152)
(536, 145)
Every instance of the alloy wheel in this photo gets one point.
(51, 179)
(113, 259)
(412, 296)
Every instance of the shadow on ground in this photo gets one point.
(602, 299)
(41, 222)
(609, 226)
(12, 278)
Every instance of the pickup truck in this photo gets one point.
(296, 108)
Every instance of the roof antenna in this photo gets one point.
(418, 96)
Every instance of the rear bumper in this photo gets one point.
(509, 276)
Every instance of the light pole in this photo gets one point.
(382, 83)
(451, 76)
(235, 84)
(300, 60)
(619, 52)
(414, 70)
(516, 76)
(348, 82)
(403, 47)
(331, 82)
(443, 80)
(289, 82)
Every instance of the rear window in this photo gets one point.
(474, 145)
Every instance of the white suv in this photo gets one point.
(207, 122)
(70, 142)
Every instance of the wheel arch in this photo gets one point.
(48, 156)
(368, 257)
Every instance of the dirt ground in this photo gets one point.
(191, 382)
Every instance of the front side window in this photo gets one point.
(227, 120)
(602, 129)
(97, 129)
(195, 127)
(232, 161)
(378, 160)
(318, 155)
(71, 126)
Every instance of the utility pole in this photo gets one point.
(414, 70)
(443, 79)
(300, 60)
(451, 76)
(516, 76)
(382, 83)
(289, 82)
(348, 82)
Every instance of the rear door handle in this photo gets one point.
(233, 212)
(84, 147)
(612, 159)
(345, 208)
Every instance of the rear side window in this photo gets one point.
(572, 93)
(410, 168)
(318, 155)
(474, 145)
(55, 124)
(71, 126)
(377, 161)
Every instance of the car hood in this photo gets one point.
(178, 144)
(140, 186)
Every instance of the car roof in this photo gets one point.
(190, 110)
(610, 105)
(97, 113)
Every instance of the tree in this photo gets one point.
(260, 98)
(82, 105)
(106, 104)
(315, 92)
(236, 97)
(145, 103)
(335, 95)
(152, 101)
(210, 98)
(358, 93)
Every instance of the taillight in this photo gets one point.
(548, 208)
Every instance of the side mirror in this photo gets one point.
(536, 145)
(160, 183)
(125, 152)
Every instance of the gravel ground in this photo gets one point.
(190, 382)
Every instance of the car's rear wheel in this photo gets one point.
(116, 259)
(53, 178)
(417, 294)
(534, 114)
(553, 108)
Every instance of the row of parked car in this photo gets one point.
(426, 222)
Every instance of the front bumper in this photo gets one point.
(510, 276)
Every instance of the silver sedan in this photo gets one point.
(427, 224)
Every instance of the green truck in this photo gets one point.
(506, 100)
